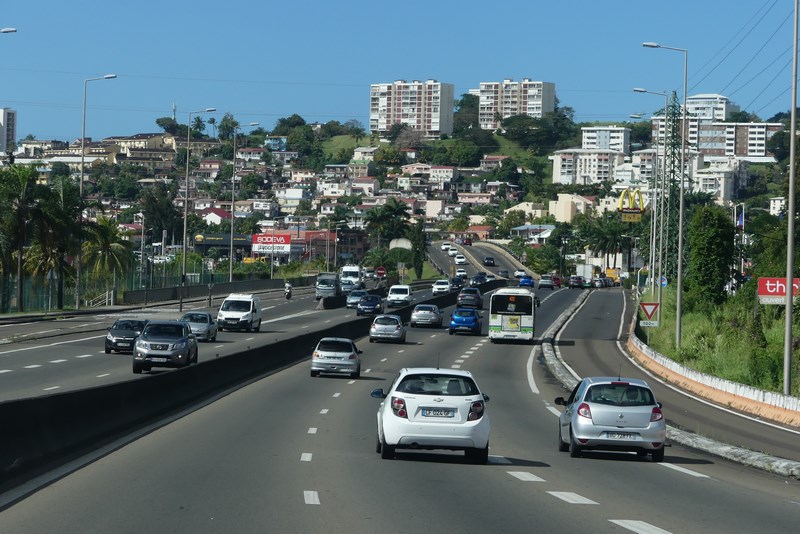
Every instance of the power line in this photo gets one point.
(788, 61)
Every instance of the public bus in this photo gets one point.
(512, 314)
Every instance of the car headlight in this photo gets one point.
(109, 337)
(178, 345)
(141, 344)
(220, 316)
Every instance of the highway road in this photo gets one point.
(290, 453)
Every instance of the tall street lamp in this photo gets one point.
(83, 158)
(684, 132)
(233, 200)
(186, 201)
(8, 30)
(661, 207)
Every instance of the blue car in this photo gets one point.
(526, 281)
(369, 305)
(465, 320)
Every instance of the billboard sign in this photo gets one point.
(272, 243)
(772, 290)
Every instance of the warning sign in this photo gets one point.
(649, 308)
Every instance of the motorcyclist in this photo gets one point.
(287, 290)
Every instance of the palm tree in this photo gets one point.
(107, 252)
(213, 123)
(198, 124)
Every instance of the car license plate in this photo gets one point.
(159, 360)
(436, 412)
(124, 344)
(619, 435)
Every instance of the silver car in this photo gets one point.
(388, 328)
(426, 314)
(164, 344)
(609, 413)
(336, 355)
(202, 324)
(354, 296)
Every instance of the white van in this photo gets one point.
(399, 295)
(240, 311)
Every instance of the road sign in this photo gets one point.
(663, 281)
(648, 323)
(772, 290)
(649, 308)
(380, 272)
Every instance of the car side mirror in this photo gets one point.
(560, 401)
(359, 351)
(660, 405)
(538, 302)
(485, 397)
(378, 393)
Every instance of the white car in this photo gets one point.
(452, 251)
(460, 259)
(433, 408)
(336, 355)
(519, 273)
(461, 273)
(446, 246)
(441, 286)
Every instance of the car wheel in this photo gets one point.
(215, 337)
(378, 445)
(450, 332)
(357, 374)
(258, 326)
(137, 368)
(108, 351)
(220, 329)
(658, 455)
(358, 314)
(478, 456)
(314, 374)
(562, 447)
(574, 448)
(387, 451)
(146, 368)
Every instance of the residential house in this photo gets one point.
(568, 206)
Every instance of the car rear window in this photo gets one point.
(424, 308)
(438, 385)
(464, 313)
(329, 345)
(386, 320)
(620, 395)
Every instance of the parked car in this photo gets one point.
(488, 261)
(122, 334)
(478, 279)
(457, 283)
(611, 413)
(354, 297)
(164, 344)
(369, 305)
(503, 273)
(460, 259)
(587, 282)
(441, 287)
(389, 328)
(426, 314)
(526, 281)
(465, 320)
(546, 282)
(519, 273)
(575, 281)
(202, 324)
(470, 296)
(428, 408)
(336, 355)
(461, 273)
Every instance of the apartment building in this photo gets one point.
(568, 206)
(710, 107)
(499, 100)
(8, 130)
(606, 138)
(424, 106)
(579, 166)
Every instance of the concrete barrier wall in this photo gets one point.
(219, 288)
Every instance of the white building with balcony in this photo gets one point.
(616, 138)
(423, 106)
(500, 100)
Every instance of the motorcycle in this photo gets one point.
(288, 293)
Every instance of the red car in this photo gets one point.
(556, 281)
(466, 241)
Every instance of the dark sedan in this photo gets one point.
(478, 279)
(456, 283)
(470, 297)
(122, 334)
(369, 305)
(488, 261)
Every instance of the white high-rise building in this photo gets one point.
(425, 106)
(710, 107)
(499, 100)
(8, 130)
(606, 137)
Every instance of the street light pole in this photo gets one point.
(186, 202)
(78, 266)
(684, 132)
(233, 200)
(8, 30)
(141, 250)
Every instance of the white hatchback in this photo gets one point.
(441, 286)
(430, 408)
(460, 259)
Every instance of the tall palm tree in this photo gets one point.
(107, 252)
(213, 123)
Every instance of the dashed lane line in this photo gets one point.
(311, 497)
(323, 411)
(312, 430)
(572, 498)
(305, 457)
(638, 526)
(525, 476)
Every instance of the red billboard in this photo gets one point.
(272, 243)
(772, 290)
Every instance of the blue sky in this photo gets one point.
(262, 60)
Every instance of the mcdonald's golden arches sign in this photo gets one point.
(631, 205)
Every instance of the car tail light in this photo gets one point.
(475, 411)
(316, 354)
(585, 411)
(656, 415)
(399, 407)
(352, 356)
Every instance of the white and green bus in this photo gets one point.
(512, 314)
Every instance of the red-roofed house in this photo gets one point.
(214, 215)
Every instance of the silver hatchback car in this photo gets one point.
(608, 413)
(388, 328)
(336, 355)
(426, 314)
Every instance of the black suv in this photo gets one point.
(488, 261)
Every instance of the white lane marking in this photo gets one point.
(35, 347)
(84, 356)
(249, 339)
(311, 497)
(683, 470)
(329, 320)
(57, 361)
(267, 308)
(103, 375)
(42, 332)
(525, 477)
(305, 326)
(351, 382)
(476, 347)
(433, 335)
(465, 356)
(5, 371)
(305, 457)
(51, 388)
(32, 366)
(469, 352)
(81, 325)
(336, 395)
(218, 346)
(312, 430)
(384, 359)
(572, 498)
(554, 411)
(499, 460)
(292, 316)
(323, 411)
(368, 371)
(455, 367)
(459, 361)
(529, 370)
(401, 350)
(638, 526)
(13, 324)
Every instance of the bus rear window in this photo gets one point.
(513, 304)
